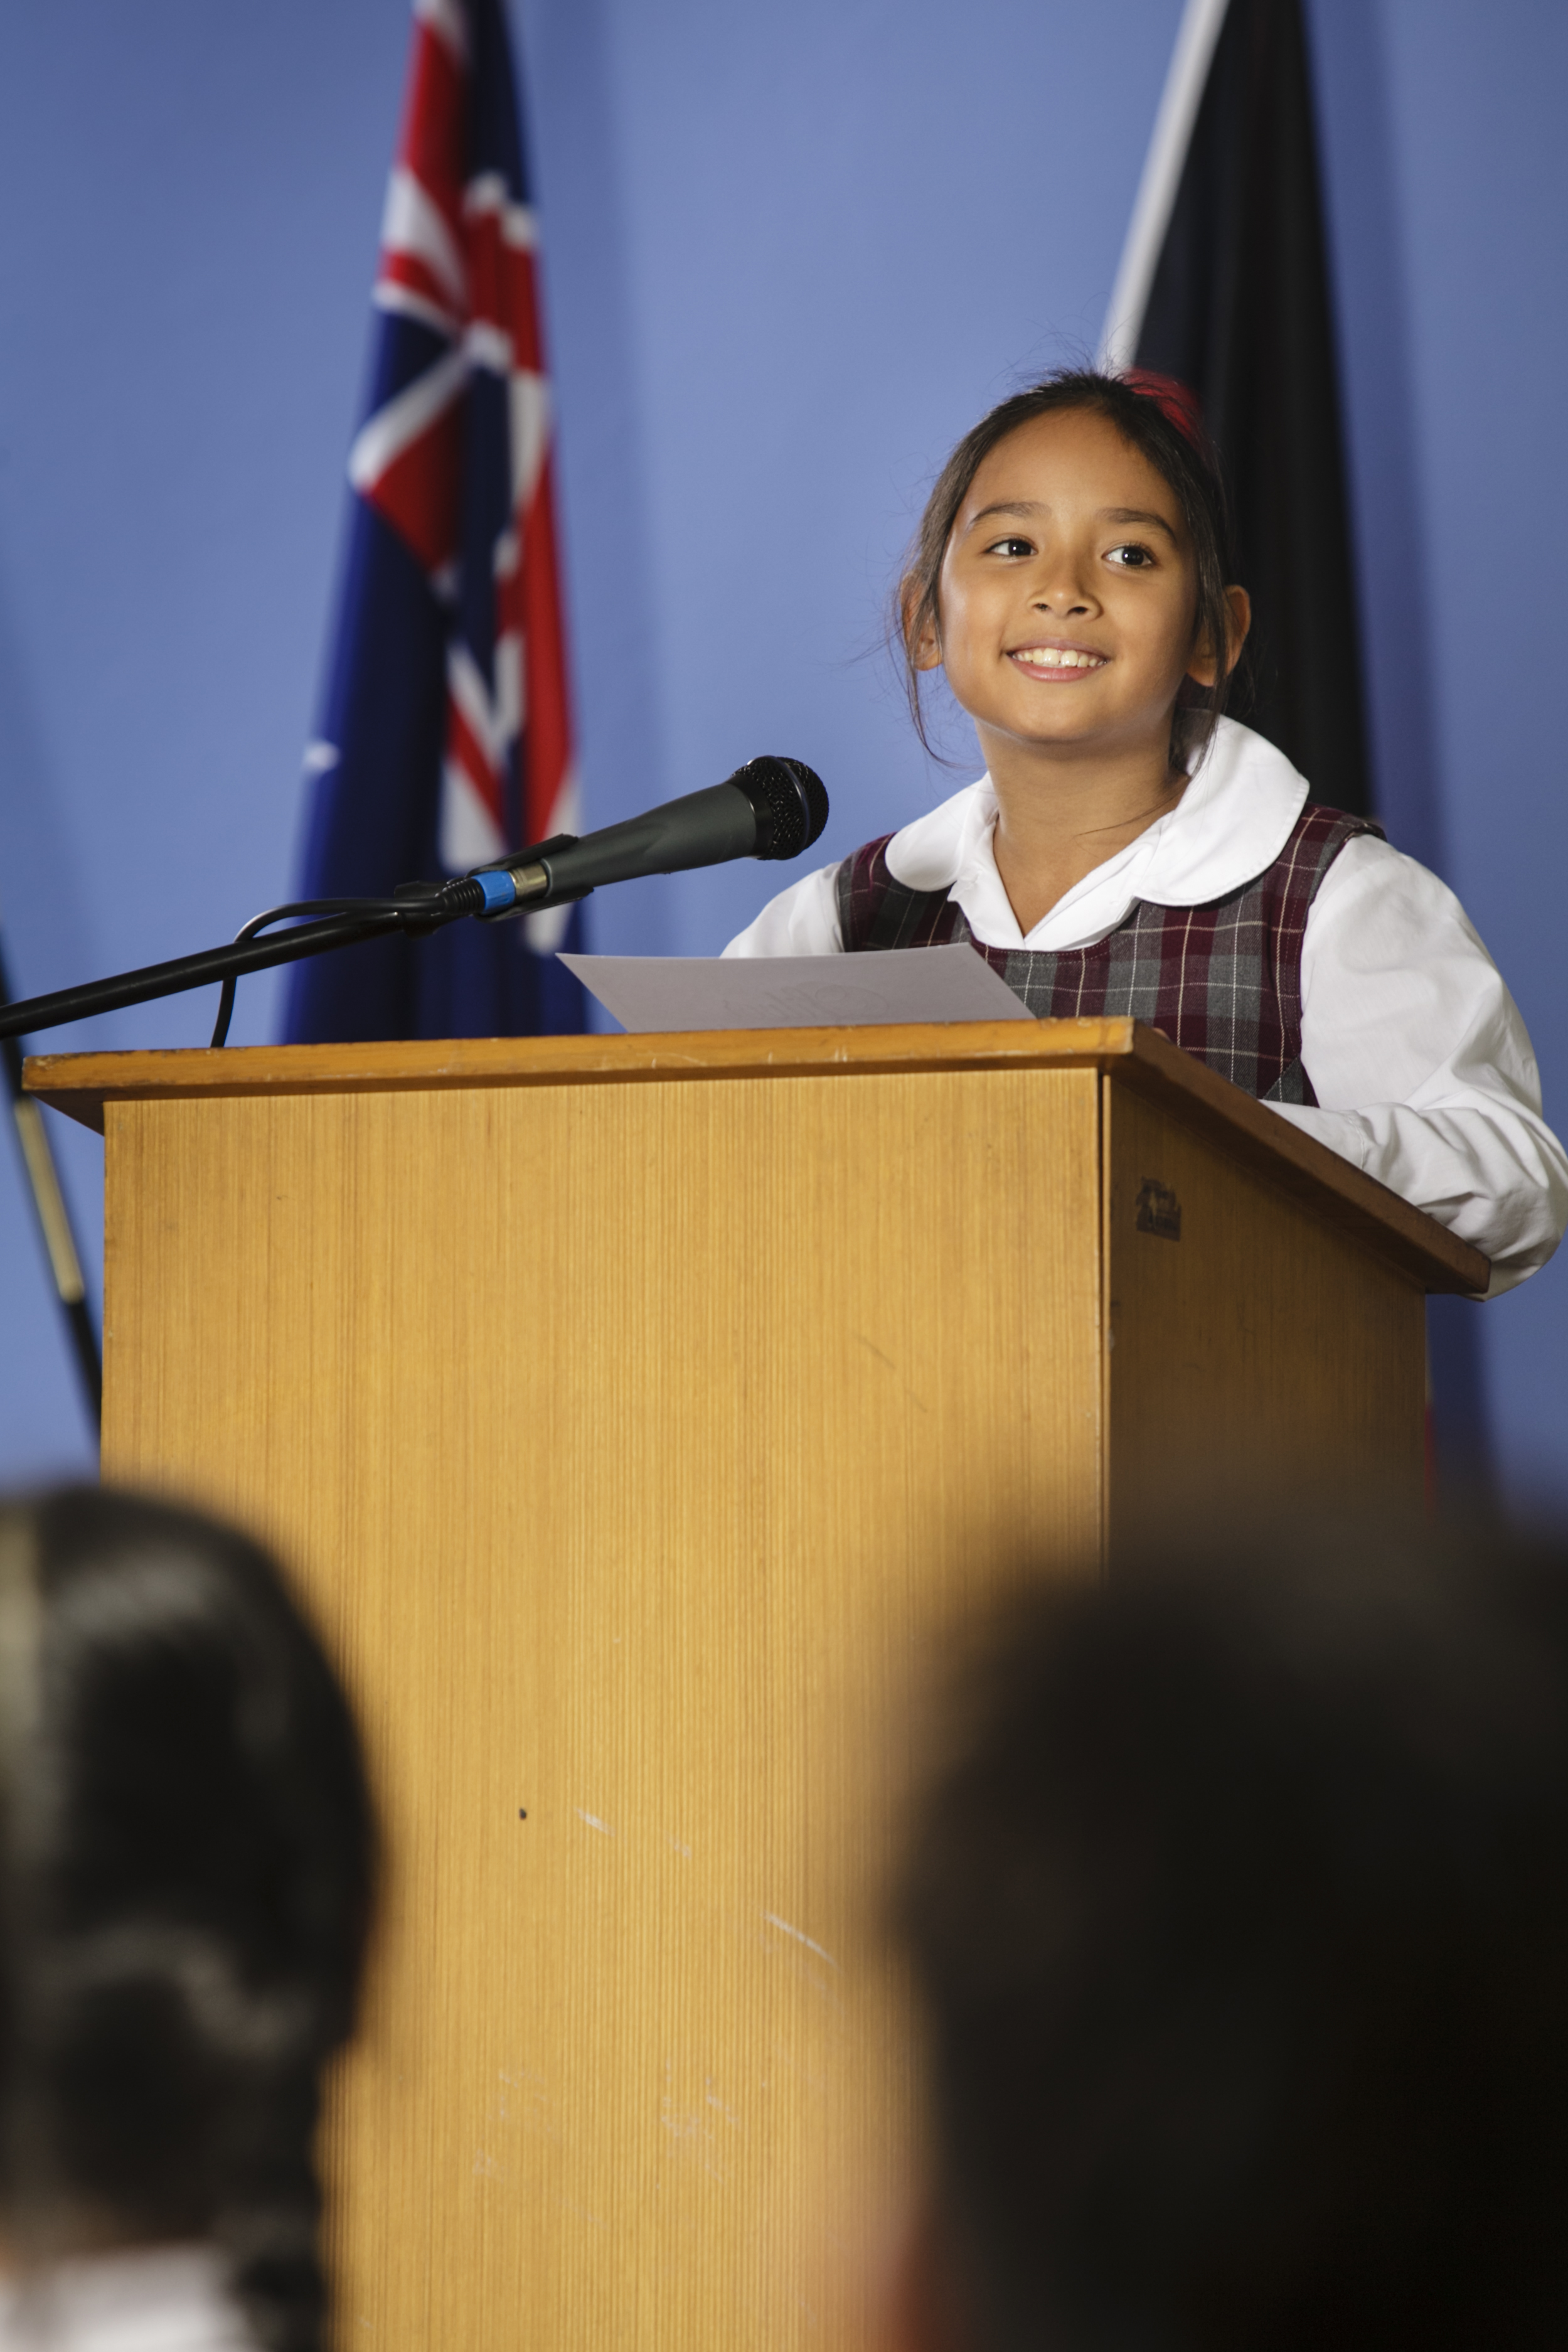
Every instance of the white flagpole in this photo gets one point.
(1179, 101)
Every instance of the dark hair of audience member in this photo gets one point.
(184, 1896)
(1239, 1908)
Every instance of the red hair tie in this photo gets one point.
(1176, 404)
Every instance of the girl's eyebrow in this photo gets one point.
(1137, 514)
(1008, 506)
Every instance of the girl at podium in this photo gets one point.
(1132, 851)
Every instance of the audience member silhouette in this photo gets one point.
(186, 1886)
(1239, 1905)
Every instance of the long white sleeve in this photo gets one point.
(1420, 1062)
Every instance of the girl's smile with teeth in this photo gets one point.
(1066, 662)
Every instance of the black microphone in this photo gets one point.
(770, 808)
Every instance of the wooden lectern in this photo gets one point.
(634, 1410)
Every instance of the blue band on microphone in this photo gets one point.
(500, 891)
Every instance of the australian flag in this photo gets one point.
(445, 737)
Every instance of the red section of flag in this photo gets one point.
(464, 748)
(548, 762)
(417, 492)
(431, 147)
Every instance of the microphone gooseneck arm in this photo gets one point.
(198, 970)
(771, 808)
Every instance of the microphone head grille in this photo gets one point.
(796, 800)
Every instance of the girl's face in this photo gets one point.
(1067, 593)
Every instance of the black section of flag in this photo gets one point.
(1239, 311)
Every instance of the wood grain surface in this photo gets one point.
(1259, 1364)
(628, 1441)
(80, 1084)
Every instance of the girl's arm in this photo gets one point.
(1421, 1065)
(801, 920)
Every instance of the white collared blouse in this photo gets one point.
(1420, 1062)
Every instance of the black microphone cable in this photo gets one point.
(298, 908)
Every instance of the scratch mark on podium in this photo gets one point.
(870, 1344)
(773, 1920)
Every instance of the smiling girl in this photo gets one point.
(1132, 851)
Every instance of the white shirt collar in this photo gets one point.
(1230, 826)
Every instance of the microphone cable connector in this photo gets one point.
(465, 895)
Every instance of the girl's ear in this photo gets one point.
(1238, 620)
(920, 636)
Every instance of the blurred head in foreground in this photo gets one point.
(1239, 1908)
(184, 1892)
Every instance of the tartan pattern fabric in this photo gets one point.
(1223, 980)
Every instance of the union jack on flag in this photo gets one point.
(445, 737)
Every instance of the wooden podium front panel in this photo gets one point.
(624, 1436)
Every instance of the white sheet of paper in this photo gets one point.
(830, 992)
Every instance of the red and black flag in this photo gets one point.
(1223, 285)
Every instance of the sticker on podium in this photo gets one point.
(830, 992)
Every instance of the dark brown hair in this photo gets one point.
(186, 1866)
(1239, 1908)
(1184, 460)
